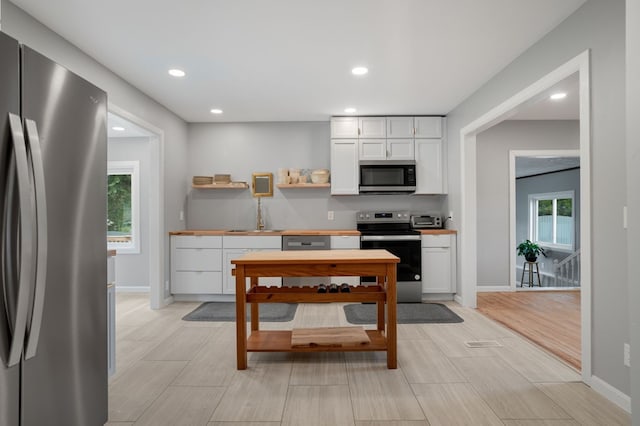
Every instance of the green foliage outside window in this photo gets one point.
(119, 203)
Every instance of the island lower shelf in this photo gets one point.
(280, 341)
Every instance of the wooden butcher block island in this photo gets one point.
(320, 263)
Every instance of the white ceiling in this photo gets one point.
(130, 129)
(529, 166)
(290, 60)
(544, 108)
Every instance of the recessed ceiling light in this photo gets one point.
(177, 73)
(216, 111)
(359, 71)
(118, 128)
(557, 96)
(349, 110)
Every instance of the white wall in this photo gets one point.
(598, 26)
(633, 175)
(492, 169)
(27, 30)
(132, 269)
(243, 148)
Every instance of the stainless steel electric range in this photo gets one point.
(391, 230)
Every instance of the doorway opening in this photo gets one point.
(469, 220)
(135, 151)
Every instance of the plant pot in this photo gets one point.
(531, 258)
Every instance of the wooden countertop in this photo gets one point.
(340, 232)
(316, 257)
(437, 231)
(193, 232)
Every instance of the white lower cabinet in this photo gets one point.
(235, 247)
(345, 242)
(196, 264)
(439, 263)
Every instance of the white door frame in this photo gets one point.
(156, 206)
(468, 223)
(513, 154)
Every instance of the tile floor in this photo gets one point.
(173, 372)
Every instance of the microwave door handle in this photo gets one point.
(41, 238)
(19, 163)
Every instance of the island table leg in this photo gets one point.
(241, 318)
(392, 337)
(255, 310)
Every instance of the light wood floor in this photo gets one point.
(172, 372)
(551, 319)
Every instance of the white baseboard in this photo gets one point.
(493, 288)
(435, 297)
(458, 298)
(612, 394)
(132, 289)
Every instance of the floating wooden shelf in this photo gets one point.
(222, 186)
(303, 185)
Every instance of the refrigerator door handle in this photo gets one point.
(25, 277)
(33, 140)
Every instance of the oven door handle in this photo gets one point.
(390, 238)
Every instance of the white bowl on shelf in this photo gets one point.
(320, 176)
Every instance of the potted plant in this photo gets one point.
(530, 251)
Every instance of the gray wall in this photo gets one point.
(132, 269)
(27, 30)
(568, 180)
(243, 148)
(598, 26)
(492, 162)
(633, 175)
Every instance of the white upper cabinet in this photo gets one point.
(400, 149)
(430, 178)
(373, 149)
(399, 127)
(344, 127)
(386, 149)
(344, 167)
(428, 127)
(372, 127)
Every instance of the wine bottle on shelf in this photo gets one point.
(333, 288)
(322, 288)
(344, 288)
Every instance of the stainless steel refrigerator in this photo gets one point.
(53, 307)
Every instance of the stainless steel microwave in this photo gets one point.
(387, 177)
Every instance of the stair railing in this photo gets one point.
(566, 273)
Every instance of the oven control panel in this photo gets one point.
(400, 216)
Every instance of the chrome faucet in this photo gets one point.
(259, 219)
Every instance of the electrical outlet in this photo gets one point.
(627, 355)
(451, 216)
(330, 215)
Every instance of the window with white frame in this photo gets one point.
(123, 201)
(552, 219)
